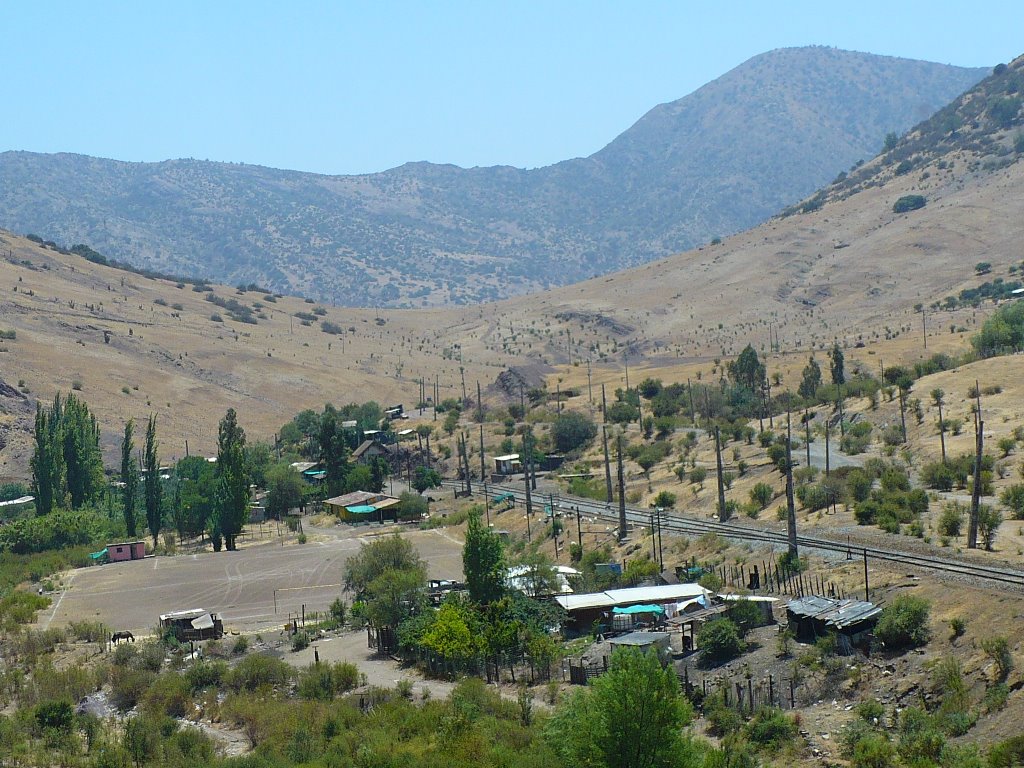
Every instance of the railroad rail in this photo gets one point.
(675, 523)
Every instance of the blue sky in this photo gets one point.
(345, 87)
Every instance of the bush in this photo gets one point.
(904, 623)
(770, 728)
(719, 641)
(951, 519)
(257, 671)
(572, 431)
(761, 495)
(909, 203)
(938, 476)
(1013, 498)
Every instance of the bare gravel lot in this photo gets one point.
(240, 586)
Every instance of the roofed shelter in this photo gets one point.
(811, 617)
(364, 507)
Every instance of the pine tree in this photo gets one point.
(129, 478)
(152, 481)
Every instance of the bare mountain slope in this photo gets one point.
(715, 162)
(850, 269)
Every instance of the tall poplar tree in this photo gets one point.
(483, 561)
(129, 478)
(47, 462)
(152, 482)
(232, 507)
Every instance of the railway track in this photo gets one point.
(988, 574)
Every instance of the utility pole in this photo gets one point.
(942, 429)
(483, 468)
(689, 391)
(462, 373)
(807, 436)
(723, 515)
(604, 406)
(794, 553)
(607, 464)
(622, 490)
(625, 359)
(590, 387)
(827, 468)
(979, 427)
(579, 529)
(903, 410)
(479, 404)
(528, 449)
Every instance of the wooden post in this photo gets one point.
(723, 514)
(794, 553)
(607, 463)
(622, 489)
(866, 591)
(979, 427)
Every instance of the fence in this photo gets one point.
(775, 579)
(745, 692)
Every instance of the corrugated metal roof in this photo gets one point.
(834, 613)
(662, 594)
(640, 639)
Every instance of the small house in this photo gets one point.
(127, 550)
(508, 465)
(852, 621)
(311, 471)
(367, 451)
(193, 624)
(364, 507)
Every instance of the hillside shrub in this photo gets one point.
(904, 622)
(909, 203)
(572, 431)
(719, 641)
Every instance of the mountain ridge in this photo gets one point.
(426, 234)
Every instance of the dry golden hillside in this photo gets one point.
(851, 272)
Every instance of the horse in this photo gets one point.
(124, 634)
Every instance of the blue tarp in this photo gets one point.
(639, 609)
(361, 509)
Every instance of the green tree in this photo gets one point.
(80, 444)
(453, 634)
(151, 481)
(483, 561)
(761, 495)
(747, 370)
(811, 379)
(333, 452)
(284, 489)
(232, 500)
(385, 553)
(631, 717)
(424, 478)
(47, 462)
(571, 431)
(903, 623)
(129, 478)
(394, 596)
(195, 493)
(719, 641)
(837, 365)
